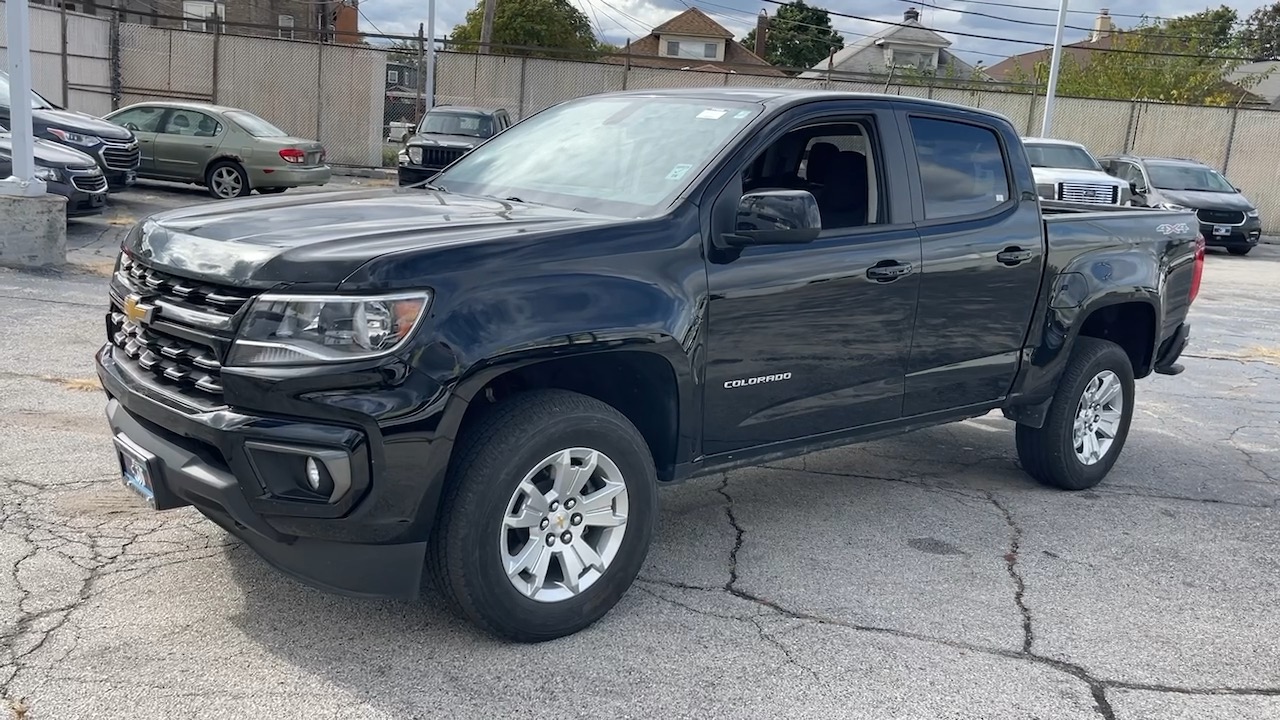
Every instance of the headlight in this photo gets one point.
(73, 138)
(402, 157)
(415, 155)
(47, 174)
(1171, 206)
(1252, 213)
(1048, 191)
(310, 329)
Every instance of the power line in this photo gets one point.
(1015, 6)
(644, 29)
(621, 26)
(1037, 43)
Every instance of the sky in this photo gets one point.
(1025, 20)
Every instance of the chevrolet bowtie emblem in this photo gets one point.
(136, 311)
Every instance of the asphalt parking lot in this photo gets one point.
(916, 577)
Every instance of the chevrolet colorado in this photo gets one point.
(491, 375)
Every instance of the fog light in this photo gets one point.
(313, 474)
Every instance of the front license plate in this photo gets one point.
(130, 177)
(1221, 229)
(135, 469)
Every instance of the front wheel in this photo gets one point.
(1088, 419)
(547, 518)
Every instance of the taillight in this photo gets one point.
(1199, 269)
(293, 155)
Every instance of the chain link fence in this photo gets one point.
(344, 95)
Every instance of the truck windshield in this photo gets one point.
(620, 156)
(1187, 177)
(439, 122)
(1060, 156)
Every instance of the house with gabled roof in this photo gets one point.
(908, 45)
(693, 41)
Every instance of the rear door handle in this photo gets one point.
(1013, 255)
(888, 270)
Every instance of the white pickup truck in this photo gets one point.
(1065, 171)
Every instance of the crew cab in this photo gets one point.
(496, 372)
(1065, 171)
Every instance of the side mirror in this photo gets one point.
(776, 217)
(1134, 189)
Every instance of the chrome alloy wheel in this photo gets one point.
(1098, 417)
(226, 182)
(563, 525)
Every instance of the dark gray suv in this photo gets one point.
(1227, 218)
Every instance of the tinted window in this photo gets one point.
(438, 122)
(962, 169)
(1187, 177)
(37, 102)
(191, 123)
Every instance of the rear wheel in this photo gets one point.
(1088, 419)
(227, 179)
(548, 516)
(1239, 250)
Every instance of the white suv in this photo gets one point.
(1065, 171)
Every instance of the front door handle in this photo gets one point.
(1013, 255)
(887, 271)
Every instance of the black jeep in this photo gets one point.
(445, 134)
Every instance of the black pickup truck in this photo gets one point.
(491, 376)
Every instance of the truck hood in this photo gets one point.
(446, 141)
(321, 238)
(80, 123)
(49, 154)
(1206, 200)
(1071, 175)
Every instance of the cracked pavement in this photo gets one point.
(922, 576)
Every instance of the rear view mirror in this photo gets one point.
(774, 217)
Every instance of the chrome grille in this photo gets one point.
(436, 157)
(119, 155)
(180, 348)
(89, 183)
(1089, 193)
(1220, 217)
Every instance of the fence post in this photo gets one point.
(320, 82)
(626, 67)
(1131, 131)
(117, 81)
(520, 101)
(217, 55)
(1231, 137)
(419, 77)
(1031, 111)
(66, 83)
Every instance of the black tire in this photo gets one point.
(491, 459)
(211, 179)
(1239, 250)
(272, 190)
(1048, 453)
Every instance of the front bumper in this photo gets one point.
(289, 177)
(372, 543)
(1245, 235)
(79, 202)
(414, 174)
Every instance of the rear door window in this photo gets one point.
(962, 168)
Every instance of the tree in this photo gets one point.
(800, 36)
(1182, 60)
(1260, 36)
(555, 25)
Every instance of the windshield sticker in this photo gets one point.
(678, 171)
(741, 114)
(711, 114)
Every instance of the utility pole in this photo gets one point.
(431, 54)
(762, 32)
(1051, 92)
(23, 183)
(486, 29)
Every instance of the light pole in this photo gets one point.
(23, 182)
(431, 54)
(1051, 92)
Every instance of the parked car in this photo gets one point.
(445, 134)
(1226, 217)
(227, 150)
(621, 292)
(66, 172)
(1065, 171)
(114, 149)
